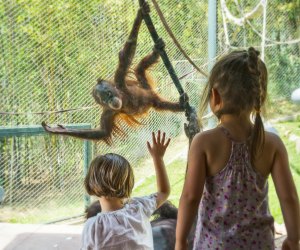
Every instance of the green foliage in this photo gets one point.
(52, 209)
(282, 59)
(280, 108)
(52, 53)
(176, 172)
(286, 69)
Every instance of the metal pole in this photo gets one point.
(212, 32)
(212, 42)
(162, 52)
(87, 153)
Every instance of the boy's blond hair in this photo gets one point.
(109, 175)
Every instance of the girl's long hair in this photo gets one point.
(241, 79)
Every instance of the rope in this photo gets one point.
(171, 34)
(192, 127)
(162, 51)
(227, 41)
(73, 109)
(47, 112)
(243, 13)
(263, 40)
(273, 41)
(246, 18)
(94, 106)
(241, 21)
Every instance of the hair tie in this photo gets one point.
(257, 111)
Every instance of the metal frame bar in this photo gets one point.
(38, 130)
(34, 130)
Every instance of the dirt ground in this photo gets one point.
(50, 237)
(39, 237)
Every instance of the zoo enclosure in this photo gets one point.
(53, 51)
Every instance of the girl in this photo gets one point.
(229, 165)
(123, 224)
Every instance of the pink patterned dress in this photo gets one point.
(234, 212)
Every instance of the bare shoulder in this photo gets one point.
(273, 140)
(210, 133)
(206, 138)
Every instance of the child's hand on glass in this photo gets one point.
(159, 146)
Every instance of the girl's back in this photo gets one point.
(228, 166)
(219, 147)
(234, 213)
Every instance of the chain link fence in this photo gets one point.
(52, 53)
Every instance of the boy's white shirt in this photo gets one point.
(128, 228)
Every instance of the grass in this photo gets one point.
(283, 107)
(176, 172)
(52, 210)
(145, 173)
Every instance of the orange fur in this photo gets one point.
(131, 78)
(131, 120)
